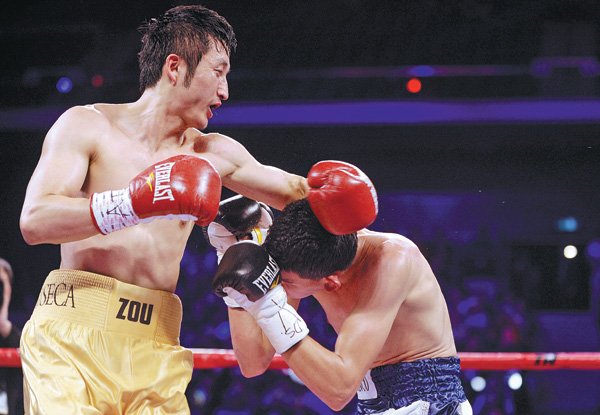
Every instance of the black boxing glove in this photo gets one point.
(238, 218)
(250, 276)
(247, 268)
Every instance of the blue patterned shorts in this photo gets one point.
(434, 382)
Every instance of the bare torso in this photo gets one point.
(149, 254)
(421, 328)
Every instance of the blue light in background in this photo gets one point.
(568, 224)
(423, 71)
(64, 85)
(399, 112)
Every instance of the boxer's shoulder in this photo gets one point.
(386, 246)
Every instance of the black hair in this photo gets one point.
(183, 30)
(299, 243)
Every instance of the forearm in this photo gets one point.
(57, 219)
(269, 185)
(252, 349)
(328, 375)
(292, 187)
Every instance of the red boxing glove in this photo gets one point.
(341, 196)
(183, 187)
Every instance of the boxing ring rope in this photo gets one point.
(220, 358)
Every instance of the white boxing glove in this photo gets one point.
(278, 320)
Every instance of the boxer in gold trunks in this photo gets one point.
(104, 336)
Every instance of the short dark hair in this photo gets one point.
(186, 31)
(299, 243)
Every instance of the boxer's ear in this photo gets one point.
(332, 283)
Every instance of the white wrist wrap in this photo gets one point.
(284, 329)
(278, 320)
(112, 210)
(231, 303)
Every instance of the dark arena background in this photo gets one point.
(478, 122)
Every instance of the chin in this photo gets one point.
(199, 123)
(297, 296)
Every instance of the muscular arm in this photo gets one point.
(269, 184)
(245, 175)
(52, 211)
(335, 376)
(252, 349)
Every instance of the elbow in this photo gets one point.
(339, 400)
(33, 228)
(340, 395)
(254, 369)
(29, 230)
(252, 365)
(250, 372)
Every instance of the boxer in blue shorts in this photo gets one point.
(395, 346)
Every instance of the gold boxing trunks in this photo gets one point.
(95, 345)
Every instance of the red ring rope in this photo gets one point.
(218, 358)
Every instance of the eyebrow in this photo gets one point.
(224, 64)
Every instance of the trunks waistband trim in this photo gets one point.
(102, 302)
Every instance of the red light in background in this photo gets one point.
(97, 80)
(413, 85)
